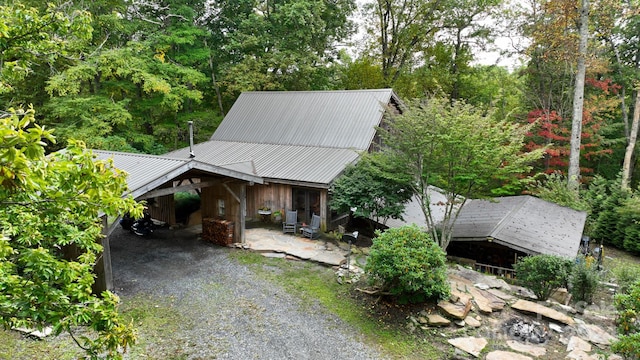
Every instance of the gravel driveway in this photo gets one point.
(225, 311)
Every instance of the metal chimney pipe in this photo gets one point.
(191, 154)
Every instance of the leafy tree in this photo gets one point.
(461, 149)
(408, 264)
(49, 236)
(32, 37)
(543, 273)
(371, 190)
(553, 188)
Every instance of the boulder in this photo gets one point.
(531, 307)
(561, 295)
(489, 301)
(472, 345)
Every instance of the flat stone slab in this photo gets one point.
(471, 345)
(506, 355)
(475, 277)
(533, 350)
(271, 241)
(531, 307)
(437, 320)
(581, 355)
(576, 343)
(471, 321)
(457, 310)
(595, 334)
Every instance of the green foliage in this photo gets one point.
(409, 264)
(628, 307)
(462, 149)
(626, 275)
(553, 188)
(371, 189)
(49, 236)
(543, 273)
(583, 281)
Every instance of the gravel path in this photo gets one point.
(225, 311)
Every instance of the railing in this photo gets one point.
(495, 270)
(340, 220)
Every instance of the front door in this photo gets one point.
(307, 202)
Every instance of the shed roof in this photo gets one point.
(147, 172)
(295, 136)
(524, 223)
(334, 119)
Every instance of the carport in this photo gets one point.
(156, 178)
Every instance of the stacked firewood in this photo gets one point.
(217, 231)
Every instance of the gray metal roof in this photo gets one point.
(279, 163)
(147, 172)
(295, 136)
(335, 119)
(525, 223)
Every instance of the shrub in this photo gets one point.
(628, 307)
(584, 281)
(626, 275)
(543, 273)
(409, 264)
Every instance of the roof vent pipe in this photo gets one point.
(191, 154)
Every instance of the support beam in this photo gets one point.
(181, 188)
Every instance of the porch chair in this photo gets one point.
(290, 223)
(312, 229)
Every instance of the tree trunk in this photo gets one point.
(213, 79)
(631, 145)
(578, 100)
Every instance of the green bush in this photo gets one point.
(543, 273)
(408, 264)
(628, 307)
(584, 281)
(626, 275)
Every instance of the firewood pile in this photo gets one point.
(217, 231)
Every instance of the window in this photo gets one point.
(221, 210)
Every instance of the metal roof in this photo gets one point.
(525, 223)
(278, 163)
(147, 172)
(413, 212)
(334, 119)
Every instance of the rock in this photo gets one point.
(422, 320)
(580, 355)
(531, 307)
(595, 334)
(555, 327)
(460, 323)
(482, 286)
(565, 308)
(473, 277)
(576, 343)
(471, 321)
(533, 350)
(506, 355)
(561, 295)
(437, 320)
(493, 302)
(481, 302)
(35, 332)
(524, 292)
(472, 345)
(500, 294)
(457, 309)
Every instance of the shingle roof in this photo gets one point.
(296, 136)
(525, 223)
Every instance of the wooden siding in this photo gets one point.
(232, 208)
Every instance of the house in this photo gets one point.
(298, 142)
(496, 232)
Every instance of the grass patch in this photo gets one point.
(16, 346)
(315, 284)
